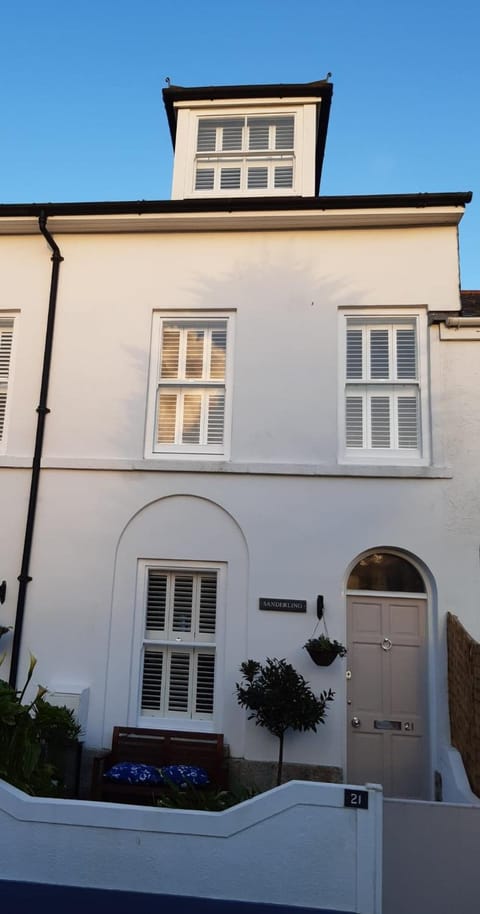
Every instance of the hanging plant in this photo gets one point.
(321, 648)
(323, 651)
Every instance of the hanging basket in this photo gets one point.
(320, 656)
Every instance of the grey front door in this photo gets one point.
(386, 694)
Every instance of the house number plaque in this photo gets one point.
(356, 799)
(284, 606)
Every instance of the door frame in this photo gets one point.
(431, 623)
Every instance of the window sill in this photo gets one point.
(180, 465)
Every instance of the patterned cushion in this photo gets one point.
(133, 773)
(184, 775)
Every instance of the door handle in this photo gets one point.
(356, 722)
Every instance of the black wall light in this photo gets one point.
(3, 591)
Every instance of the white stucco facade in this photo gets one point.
(281, 514)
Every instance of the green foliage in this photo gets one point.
(56, 725)
(280, 699)
(191, 797)
(324, 644)
(30, 734)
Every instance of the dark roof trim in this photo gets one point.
(470, 299)
(236, 204)
(470, 307)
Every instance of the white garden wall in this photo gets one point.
(333, 854)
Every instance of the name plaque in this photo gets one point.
(285, 606)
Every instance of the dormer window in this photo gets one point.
(247, 141)
(245, 154)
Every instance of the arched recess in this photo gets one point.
(182, 534)
(389, 690)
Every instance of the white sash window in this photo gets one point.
(178, 670)
(191, 385)
(246, 154)
(382, 401)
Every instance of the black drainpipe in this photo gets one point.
(42, 411)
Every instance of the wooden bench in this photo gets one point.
(158, 748)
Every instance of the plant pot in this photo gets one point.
(320, 657)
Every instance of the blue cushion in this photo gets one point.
(183, 775)
(133, 773)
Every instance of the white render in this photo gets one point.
(335, 853)
(281, 514)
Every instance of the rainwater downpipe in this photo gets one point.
(42, 412)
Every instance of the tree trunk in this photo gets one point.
(280, 760)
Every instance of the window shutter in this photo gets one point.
(257, 178)
(167, 417)
(206, 137)
(170, 353)
(406, 353)
(232, 133)
(178, 679)
(408, 426)
(156, 601)
(192, 414)
(6, 340)
(182, 610)
(218, 353)
(354, 355)
(230, 178)
(354, 421)
(258, 135)
(379, 354)
(207, 605)
(194, 354)
(283, 176)
(152, 685)
(191, 385)
(284, 133)
(204, 179)
(204, 683)
(179, 682)
(380, 421)
(216, 418)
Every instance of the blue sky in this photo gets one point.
(83, 119)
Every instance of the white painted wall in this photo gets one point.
(282, 515)
(334, 854)
(430, 857)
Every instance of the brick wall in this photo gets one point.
(464, 697)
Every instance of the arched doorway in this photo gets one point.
(387, 705)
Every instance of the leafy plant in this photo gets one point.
(30, 734)
(280, 699)
(190, 797)
(324, 644)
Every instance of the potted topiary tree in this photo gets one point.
(280, 699)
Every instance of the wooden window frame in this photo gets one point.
(391, 388)
(170, 642)
(217, 159)
(204, 388)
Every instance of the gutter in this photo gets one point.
(42, 412)
(236, 205)
(462, 321)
